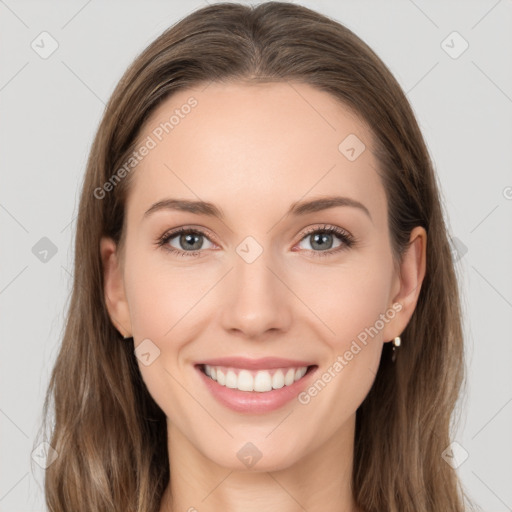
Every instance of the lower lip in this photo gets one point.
(255, 401)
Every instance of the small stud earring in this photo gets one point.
(396, 344)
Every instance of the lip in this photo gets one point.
(255, 402)
(264, 363)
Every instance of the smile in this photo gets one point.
(254, 380)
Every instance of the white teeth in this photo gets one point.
(260, 381)
(278, 380)
(221, 377)
(231, 379)
(245, 381)
(289, 377)
(300, 373)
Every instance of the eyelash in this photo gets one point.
(347, 240)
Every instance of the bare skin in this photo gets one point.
(253, 150)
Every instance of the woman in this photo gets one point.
(265, 312)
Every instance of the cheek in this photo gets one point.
(363, 303)
(163, 294)
(162, 301)
(169, 305)
(351, 306)
(346, 300)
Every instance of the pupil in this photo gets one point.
(323, 237)
(188, 238)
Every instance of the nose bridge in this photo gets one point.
(256, 299)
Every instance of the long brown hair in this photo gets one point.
(109, 433)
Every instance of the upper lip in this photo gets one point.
(265, 363)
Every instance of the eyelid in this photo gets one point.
(325, 227)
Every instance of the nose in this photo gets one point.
(256, 298)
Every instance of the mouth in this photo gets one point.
(258, 381)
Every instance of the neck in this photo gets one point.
(319, 481)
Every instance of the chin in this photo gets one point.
(255, 457)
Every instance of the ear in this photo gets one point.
(407, 285)
(114, 292)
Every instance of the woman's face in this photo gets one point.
(258, 281)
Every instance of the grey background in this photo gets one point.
(50, 109)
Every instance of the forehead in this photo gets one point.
(247, 145)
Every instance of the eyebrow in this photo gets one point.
(296, 209)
